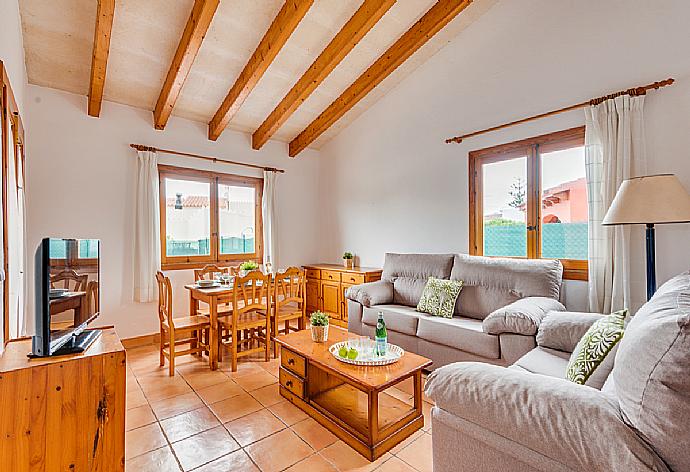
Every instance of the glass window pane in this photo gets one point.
(187, 217)
(88, 248)
(564, 204)
(57, 248)
(504, 204)
(236, 219)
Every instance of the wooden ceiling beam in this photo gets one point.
(192, 37)
(368, 14)
(273, 41)
(99, 59)
(431, 23)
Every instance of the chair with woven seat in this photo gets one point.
(177, 331)
(289, 288)
(251, 300)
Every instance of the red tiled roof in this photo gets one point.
(191, 201)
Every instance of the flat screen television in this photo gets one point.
(67, 295)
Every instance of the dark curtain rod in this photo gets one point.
(141, 147)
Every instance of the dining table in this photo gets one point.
(70, 301)
(213, 297)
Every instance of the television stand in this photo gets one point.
(63, 413)
(78, 343)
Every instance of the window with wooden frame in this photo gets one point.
(529, 199)
(208, 217)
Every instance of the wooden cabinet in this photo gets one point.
(313, 294)
(326, 285)
(330, 298)
(63, 413)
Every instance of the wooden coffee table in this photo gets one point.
(351, 400)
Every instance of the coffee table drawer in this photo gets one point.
(293, 362)
(292, 383)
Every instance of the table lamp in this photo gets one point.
(649, 200)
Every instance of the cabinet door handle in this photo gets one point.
(288, 383)
(291, 362)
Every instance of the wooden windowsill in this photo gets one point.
(201, 265)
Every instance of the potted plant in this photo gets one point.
(348, 260)
(319, 326)
(248, 266)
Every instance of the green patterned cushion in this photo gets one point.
(595, 345)
(438, 297)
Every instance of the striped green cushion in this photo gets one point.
(595, 345)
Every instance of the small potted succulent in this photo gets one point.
(248, 266)
(319, 326)
(348, 260)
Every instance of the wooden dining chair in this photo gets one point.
(177, 331)
(70, 280)
(92, 300)
(211, 271)
(251, 301)
(289, 289)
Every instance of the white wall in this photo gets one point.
(80, 176)
(389, 183)
(12, 49)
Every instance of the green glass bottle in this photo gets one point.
(381, 336)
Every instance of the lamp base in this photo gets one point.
(651, 261)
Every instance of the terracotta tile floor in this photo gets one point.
(237, 421)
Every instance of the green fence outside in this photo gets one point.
(559, 240)
(176, 247)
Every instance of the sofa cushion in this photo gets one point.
(545, 361)
(651, 372)
(438, 297)
(402, 319)
(491, 283)
(562, 330)
(460, 333)
(595, 347)
(410, 272)
(522, 316)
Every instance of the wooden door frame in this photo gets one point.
(10, 119)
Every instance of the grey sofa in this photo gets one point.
(496, 315)
(636, 417)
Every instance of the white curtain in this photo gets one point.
(269, 219)
(147, 252)
(614, 151)
(15, 242)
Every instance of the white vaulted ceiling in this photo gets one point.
(58, 42)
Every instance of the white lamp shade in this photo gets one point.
(652, 199)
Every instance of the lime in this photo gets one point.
(342, 352)
(352, 354)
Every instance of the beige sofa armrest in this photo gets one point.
(521, 317)
(563, 330)
(371, 293)
(573, 424)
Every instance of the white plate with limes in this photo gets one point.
(345, 352)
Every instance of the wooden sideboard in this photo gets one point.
(63, 413)
(326, 285)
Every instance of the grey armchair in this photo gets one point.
(528, 417)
